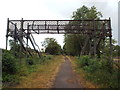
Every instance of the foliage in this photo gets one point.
(105, 48)
(51, 46)
(46, 42)
(9, 64)
(116, 50)
(10, 79)
(35, 60)
(9, 68)
(99, 71)
(30, 61)
(13, 70)
(74, 43)
(84, 61)
(86, 13)
(14, 48)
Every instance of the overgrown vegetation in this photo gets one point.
(9, 68)
(43, 75)
(100, 72)
(13, 69)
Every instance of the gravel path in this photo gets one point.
(66, 77)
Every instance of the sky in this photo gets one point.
(52, 10)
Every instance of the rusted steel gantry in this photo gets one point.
(95, 31)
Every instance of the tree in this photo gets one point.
(86, 13)
(13, 45)
(51, 46)
(74, 43)
(115, 48)
(116, 51)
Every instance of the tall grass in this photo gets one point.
(13, 70)
(100, 72)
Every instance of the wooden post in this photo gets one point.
(57, 27)
(45, 25)
(103, 38)
(15, 39)
(110, 37)
(7, 33)
(27, 38)
(27, 34)
(38, 29)
(85, 44)
(94, 38)
(110, 47)
(90, 46)
(21, 38)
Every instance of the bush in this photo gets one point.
(23, 70)
(30, 61)
(84, 61)
(9, 64)
(48, 57)
(99, 71)
(10, 67)
(45, 58)
(37, 60)
(10, 80)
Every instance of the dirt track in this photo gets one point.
(66, 77)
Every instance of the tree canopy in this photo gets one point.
(74, 43)
(51, 46)
(86, 13)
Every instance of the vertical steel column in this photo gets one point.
(7, 33)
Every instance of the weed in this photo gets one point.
(100, 72)
(13, 71)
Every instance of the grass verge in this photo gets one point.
(99, 73)
(44, 75)
(81, 74)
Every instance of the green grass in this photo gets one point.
(13, 70)
(43, 76)
(99, 72)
